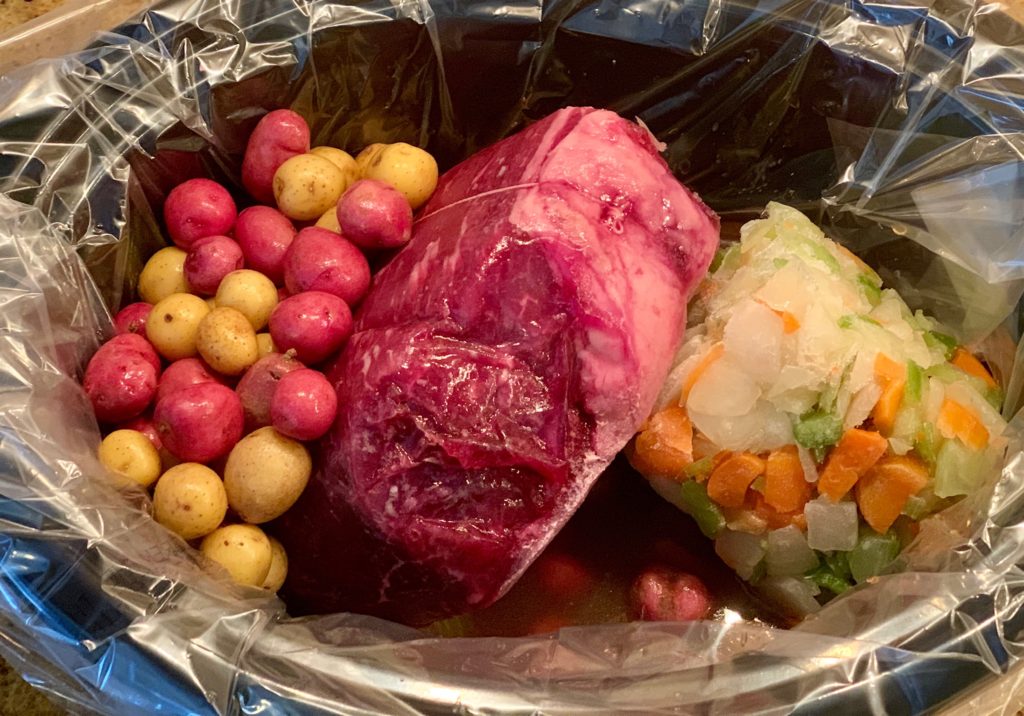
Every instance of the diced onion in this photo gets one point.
(723, 389)
(788, 553)
(862, 405)
(831, 526)
(753, 341)
(793, 596)
(741, 551)
(807, 463)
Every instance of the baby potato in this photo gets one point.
(329, 221)
(278, 566)
(249, 292)
(243, 550)
(131, 454)
(227, 341)
(265, 474)
(409, 169)
(306, 186)
(342, 160)
(173, 325)
(366, 157)
(189, 500)
(264, 344)
(163, 275)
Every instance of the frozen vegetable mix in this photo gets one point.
(812, 420)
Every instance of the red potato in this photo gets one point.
(256, 388)
(199, 423)
(209, 260)
(183, 374)
(375, 215)
(144, 424)
(120, 383)
(314, 324)
(264, 235)
(132, 318)
(279, 136)
(196, 209)
(136, 343)
(304, 405)
(665, 594)
(320, 260)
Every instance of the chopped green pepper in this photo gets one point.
(872, 554)
(699, 506)
(826, 578)
(818, 429)
(724, 257)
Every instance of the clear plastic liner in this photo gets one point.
(899, 127)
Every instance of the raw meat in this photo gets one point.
(498, 364)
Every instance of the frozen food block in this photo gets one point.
(498, 364)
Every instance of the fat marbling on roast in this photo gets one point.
(498, 364)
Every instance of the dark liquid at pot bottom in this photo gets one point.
(585, 575)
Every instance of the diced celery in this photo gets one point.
(453, 627)
(838, 563)
(959, 470)
(927, 443)
(942, 342)
(850, 319)
(818, 429)
(699, 468)
(872, 290)
(873, 553)
(779, 262)
(698, 505)
(824, 255)
(915, 383)
(994, 396)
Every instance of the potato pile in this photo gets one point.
(211, 388)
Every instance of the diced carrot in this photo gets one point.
(958, 421)
(855, 453)
(883, 491)
(785, 488)
(965, 361)
(888, 369)
(893, 377)
(790, 323)
(730, 480)
(664, 447)
(713, 354)
(775, 519)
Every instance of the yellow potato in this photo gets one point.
(163, 275)
(329, 220)
(189, 500)
(278, 566)
(173, 325)
(343, 160)
(131, 454)
(249, 292)
(365, 157)
(265, 344)
(306, 186)
(265, 474)
(227, 341)
(211, 302)
(411, 170)
(243, 550)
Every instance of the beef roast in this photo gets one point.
(498, 364)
